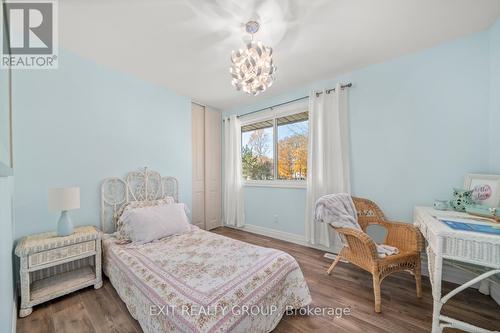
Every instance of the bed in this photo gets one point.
(198, 281)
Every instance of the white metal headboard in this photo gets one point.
(141, 185)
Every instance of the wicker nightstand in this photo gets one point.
(54, 266)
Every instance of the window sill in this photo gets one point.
(275, 183)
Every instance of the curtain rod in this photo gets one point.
(348, 85)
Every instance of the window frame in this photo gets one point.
(273, 114)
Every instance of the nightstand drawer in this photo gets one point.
(45, 257)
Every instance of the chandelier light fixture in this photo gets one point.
(252, 68)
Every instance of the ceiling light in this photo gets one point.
(252, 68)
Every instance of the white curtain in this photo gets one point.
(233, 213)
(328, 157)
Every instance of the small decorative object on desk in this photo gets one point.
(484, 211)
(485, 189)
(441, 204)
(64, 199)
(54, 266)
(461, 199)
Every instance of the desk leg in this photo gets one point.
(435, 262)
(454, 323)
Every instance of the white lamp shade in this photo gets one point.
(64, 198)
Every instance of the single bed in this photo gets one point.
(197, 281)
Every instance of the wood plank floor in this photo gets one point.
(102, 310)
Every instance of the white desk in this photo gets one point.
(444, 242)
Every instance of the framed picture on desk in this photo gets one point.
(486, 188)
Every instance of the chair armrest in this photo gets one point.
(359, 243)
(404, 236)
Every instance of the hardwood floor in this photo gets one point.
(102, 310)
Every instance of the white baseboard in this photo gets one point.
(277, 234)
(450, 273)
(281, 235)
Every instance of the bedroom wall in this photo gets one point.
(6, 241)
(495, 98)
(417, 125)
(83, 122)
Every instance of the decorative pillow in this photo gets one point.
(145, 224)
(137, 204)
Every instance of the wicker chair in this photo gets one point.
(362, 251)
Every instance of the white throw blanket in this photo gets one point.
(339, 211)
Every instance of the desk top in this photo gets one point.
(430, 216)
(466, 246)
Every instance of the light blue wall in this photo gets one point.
(417, 126)
(495, 98)
(263, 203)
(6, 241)
(83, 122)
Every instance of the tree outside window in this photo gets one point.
(258, 154)
(260, 147)
(292, 150)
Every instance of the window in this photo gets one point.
(257, 151)
(276, 148)
(292, 135)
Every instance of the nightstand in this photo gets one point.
(54, 266)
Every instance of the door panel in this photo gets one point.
(212, 169)
(198, 140)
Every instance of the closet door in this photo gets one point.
(198, 139)
(212, 169)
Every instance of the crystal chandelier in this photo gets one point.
(252, 68)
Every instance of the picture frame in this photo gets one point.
(486, 188)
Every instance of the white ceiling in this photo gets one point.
(185, 45)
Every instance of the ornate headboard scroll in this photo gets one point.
(141, 185)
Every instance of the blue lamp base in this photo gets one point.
(64, 226)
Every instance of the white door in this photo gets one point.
(198, 139)
(212, 169)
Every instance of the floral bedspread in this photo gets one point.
(203, 282)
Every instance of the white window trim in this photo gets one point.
(276, 183)
(275, 112)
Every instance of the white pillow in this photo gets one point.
(146, 224)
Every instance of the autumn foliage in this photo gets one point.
(257, 160)
(292, 157)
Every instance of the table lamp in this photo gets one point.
(64, 199)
